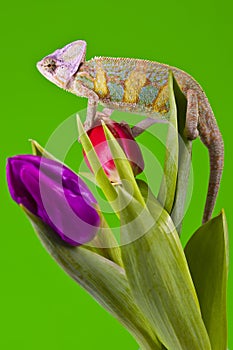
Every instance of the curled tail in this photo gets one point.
(216, 155)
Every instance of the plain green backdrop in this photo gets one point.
(41, 307)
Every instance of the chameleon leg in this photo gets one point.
(143, 125)
(104, 115)
(192, 113)
(107, 112)
(93, 100)
(91, 113)
(96, 120)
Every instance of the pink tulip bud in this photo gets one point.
(122, 133)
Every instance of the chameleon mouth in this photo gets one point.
(40, 68)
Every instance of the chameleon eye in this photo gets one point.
(50, 65)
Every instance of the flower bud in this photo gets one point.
(121, 131)
(56, 195)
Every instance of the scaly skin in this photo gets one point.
(139, 86)
(126, 84)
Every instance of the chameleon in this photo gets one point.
(138, 86)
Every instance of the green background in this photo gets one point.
(41, 307)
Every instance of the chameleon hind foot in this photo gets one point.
(143, 125)
(192, 114)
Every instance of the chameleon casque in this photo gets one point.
(138, 86)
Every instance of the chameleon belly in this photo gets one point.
(130, 85)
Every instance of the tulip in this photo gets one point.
(121, 131)
(56, 195)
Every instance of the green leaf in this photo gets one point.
(159, 277)
(207, 255)
(101, 177)
(105, 243)
(185, 155)
(101, 278)
(38, 150)
(168, 185)
(123, 166)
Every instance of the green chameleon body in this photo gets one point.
(127, 84)
(139, 86)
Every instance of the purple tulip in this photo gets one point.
(56, 195)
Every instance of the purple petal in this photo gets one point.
(56, 195)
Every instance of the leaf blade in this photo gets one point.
(102, 279)
(105, 243)
(207, 254)
(38, 150)
(185, 157)
(168, 185)
(160, 280)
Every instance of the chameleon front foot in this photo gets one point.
(99, 116)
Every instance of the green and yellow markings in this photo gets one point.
(86, 80)
(133, 85)
(100, 82)
(161, 103)
(147, 95)
(137, 89)
(116, 92)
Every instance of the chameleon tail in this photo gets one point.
(216, 155)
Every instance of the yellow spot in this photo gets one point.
(160, 103)
(133, 85)
(100, 83)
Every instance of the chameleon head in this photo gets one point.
(60, 66)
